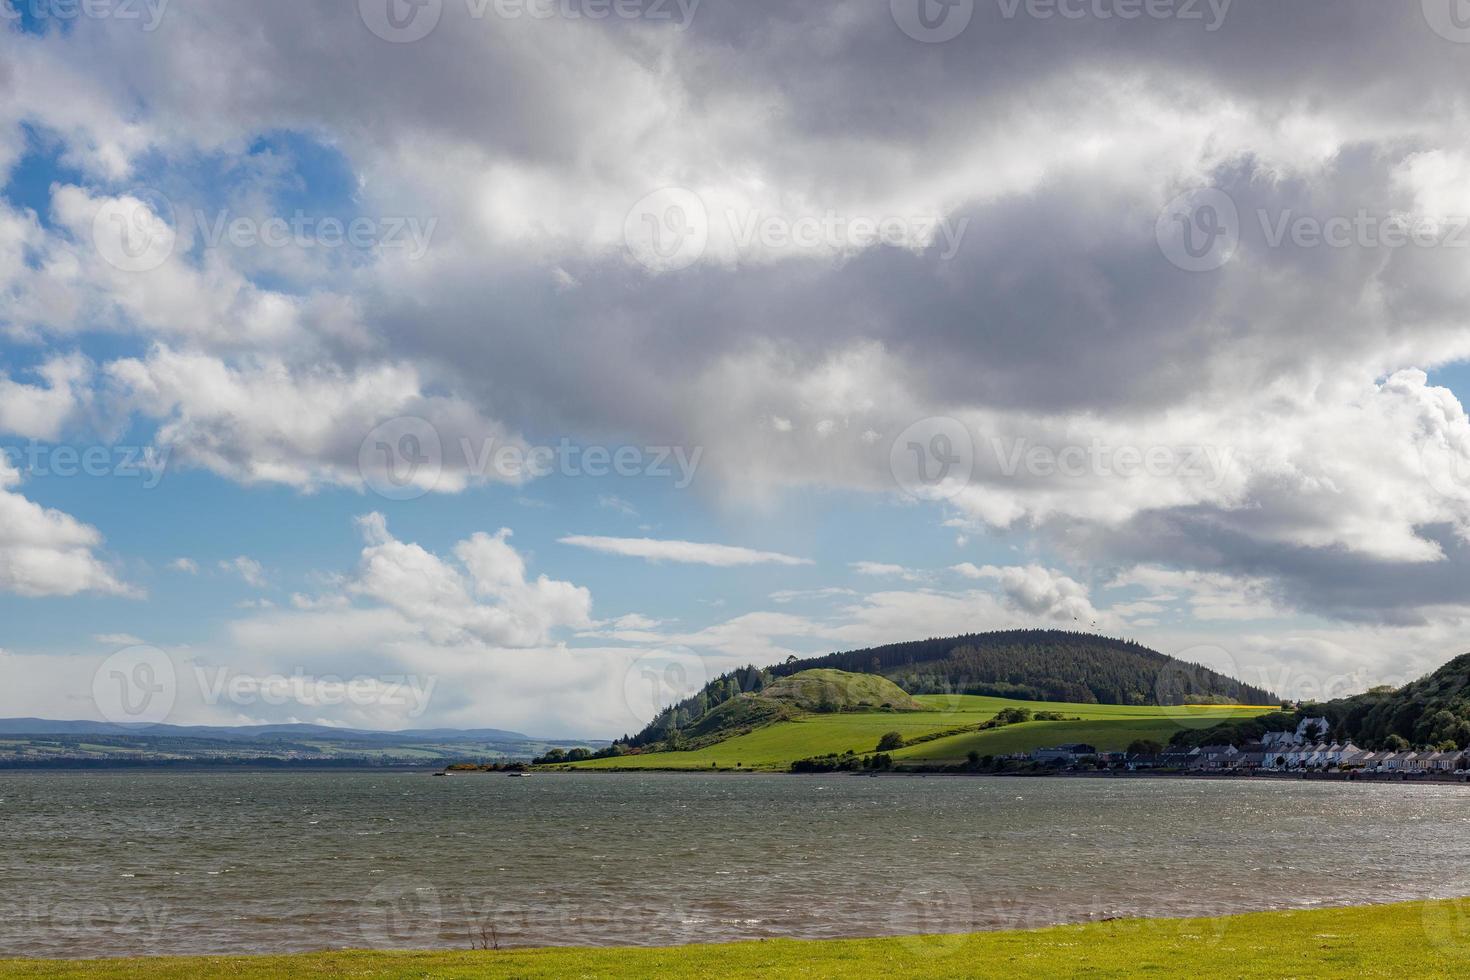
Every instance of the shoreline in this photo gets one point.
(1419, 938)
(1216, 776)
(1333, 777)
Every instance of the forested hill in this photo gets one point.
(1041, 665)
(1432, 711)
(1030, 665)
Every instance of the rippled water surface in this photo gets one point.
(129, 863)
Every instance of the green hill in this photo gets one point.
(943, 733)
(787, 698)
(1042, 665)
(1026, 665)
(837, 690)
(1433, 711)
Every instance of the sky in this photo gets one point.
(523, 363)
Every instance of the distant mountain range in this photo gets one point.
(38, 742)
(41, 726)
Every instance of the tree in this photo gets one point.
(1396, 743)
(1144, 746)
(890, 741)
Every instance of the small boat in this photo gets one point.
(518, 773)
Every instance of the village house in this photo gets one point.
(1215, 757)
(1067, 754)
(1292, 750)
(1445, 761)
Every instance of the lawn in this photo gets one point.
(777, 746)
(1106, 735)
(1416, 939)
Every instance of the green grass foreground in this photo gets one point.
(1107, 726)
(1415, 939)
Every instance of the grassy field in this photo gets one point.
(1417, 939)
(1108, 726)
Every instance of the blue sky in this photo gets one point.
(727, 251)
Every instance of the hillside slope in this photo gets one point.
(1041, 665)
(1028, 665)
(827, 690)
(787, 698)
(1432, 711)
(957, 719)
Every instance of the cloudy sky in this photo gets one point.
(523, 355)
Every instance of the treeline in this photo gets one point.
(1026, 665)
(1433, 711)
(1238, 732)
(1043, 665)
(670, 726)
(559, 756)
(848, 761)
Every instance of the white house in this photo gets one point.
(1443, 761)
(1312, 729)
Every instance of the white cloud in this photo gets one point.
(685, 552)
(268, 422)
(44, 552)
(117, 639)
(878, 569)
(486, 598)
(1038, 591)
(618, 504)
(44, 411)
(186, 565)
(792, 595)
(820, 356)
(1209, 595)
(251, 572)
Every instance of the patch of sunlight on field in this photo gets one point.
(777, 746)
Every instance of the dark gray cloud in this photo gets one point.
(1053, 143)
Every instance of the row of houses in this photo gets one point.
(1319, 756)
(1268, 754)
